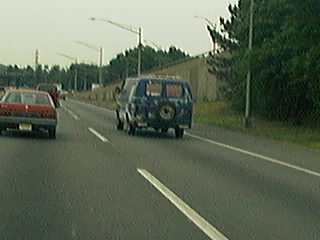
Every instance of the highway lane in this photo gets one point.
(79, 186)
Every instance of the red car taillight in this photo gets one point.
(49, 114)
(4, 112)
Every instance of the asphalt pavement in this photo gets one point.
(96, 182)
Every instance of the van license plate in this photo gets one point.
(25, 126)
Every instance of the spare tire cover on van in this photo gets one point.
(166, 111)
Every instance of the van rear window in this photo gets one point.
(153, 89)
(174, 90)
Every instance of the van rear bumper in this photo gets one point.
(163, 124)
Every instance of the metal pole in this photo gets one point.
(100, 65)
(76, 76)
(85, 81)
(139, 52)
(75, 79)
(248, 88)
(36, 65)
(131, 29)
(69, 84)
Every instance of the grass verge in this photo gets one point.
(220, 114)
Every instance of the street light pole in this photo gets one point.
(75, 71)
(100, 49)
(100, 65)
(137, 31)
(158, 47)
(37, 61)
(211, 26)
(139, 51)
(248, 122)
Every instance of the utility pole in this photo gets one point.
(37, 58)
(100, 65)
(139, 51)
(75, 71)
(100, 50)
(137, 31)
(158, 47)
(36, 64)
(248, 122)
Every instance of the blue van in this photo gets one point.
(154, 102)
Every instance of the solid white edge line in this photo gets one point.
(256, 155)
(199, 221)
(102, 138)
(71, 113)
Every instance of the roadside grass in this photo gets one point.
(220, 114)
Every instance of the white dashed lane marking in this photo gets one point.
(98, 135)
(71, 113)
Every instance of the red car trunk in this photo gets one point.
(27, 110)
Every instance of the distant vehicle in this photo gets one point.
(154, 102)
(28, 110)
(59, 86)
(63, 94)
(52, 89)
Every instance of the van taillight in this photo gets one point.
(187, 111)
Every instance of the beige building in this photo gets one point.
(205, 86)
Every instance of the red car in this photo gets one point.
(28, 110)
(52, 89)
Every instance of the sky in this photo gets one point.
(54, 27)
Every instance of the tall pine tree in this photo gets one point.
(285, 72)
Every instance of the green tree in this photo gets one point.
(125, 64)
(122, 66)
(285, 82)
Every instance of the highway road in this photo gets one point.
(95, 182)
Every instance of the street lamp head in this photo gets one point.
(92, 19)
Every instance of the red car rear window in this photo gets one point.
(27, 98)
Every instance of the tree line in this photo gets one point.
(82, 76)
(284, 60)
